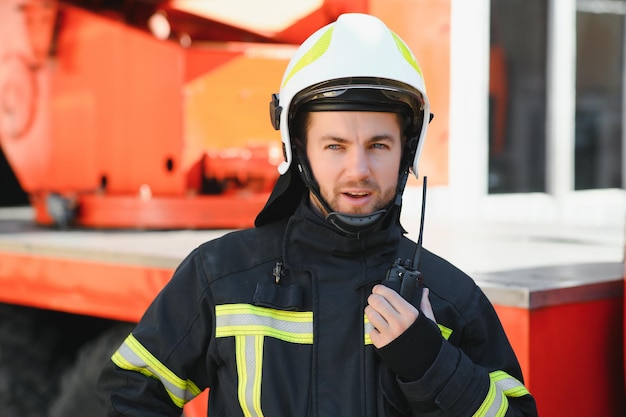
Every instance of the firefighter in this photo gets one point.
(310, 313)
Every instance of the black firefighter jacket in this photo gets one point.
(271, 320)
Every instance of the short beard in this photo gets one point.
(387, 197)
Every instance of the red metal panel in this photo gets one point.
(115, 107)
(516, 323)
(571, 355)
(577, 348)
(115, 291)
(135, 212)
(117, 112)
(198, 406)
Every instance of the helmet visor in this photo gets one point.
(363, 95)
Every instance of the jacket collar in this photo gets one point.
(308, 237)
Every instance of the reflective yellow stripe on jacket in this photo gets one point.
(133, 356)
(250, 325)
(501, 386)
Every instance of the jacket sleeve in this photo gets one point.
(151, 375)
(476, 375)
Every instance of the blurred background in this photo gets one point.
(133, 130)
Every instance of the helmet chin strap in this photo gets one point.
(352, 223)
(355, 223)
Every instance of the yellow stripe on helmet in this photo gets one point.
(406, 54)
(317, 50)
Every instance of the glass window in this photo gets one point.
(517, 91)
(599, 91)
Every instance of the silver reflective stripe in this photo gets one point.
(509, 385)
(501, 386)
(247, 320)
(133, 356)
(499, 403)
(367, 329)
(249, 325)
(249, 368)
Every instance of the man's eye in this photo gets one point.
(380, 146)
(333, 146)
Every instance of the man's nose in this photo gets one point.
(357, 164)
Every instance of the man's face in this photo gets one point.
(355, 159)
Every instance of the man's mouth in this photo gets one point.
(356, 195)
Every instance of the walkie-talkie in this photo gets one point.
(404, 275)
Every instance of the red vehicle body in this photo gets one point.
(141, 129)
(128, 119)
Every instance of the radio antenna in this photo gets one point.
(418, 248)
(403, 276)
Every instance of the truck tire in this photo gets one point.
(77, 396)
(30, 361)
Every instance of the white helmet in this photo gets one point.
(358, 51)
(354, 64)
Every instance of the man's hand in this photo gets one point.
(391, 315)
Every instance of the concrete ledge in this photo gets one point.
(534, 288)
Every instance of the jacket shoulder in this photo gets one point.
(242, 249)
(446, 280)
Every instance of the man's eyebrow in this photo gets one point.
(376, 138)
(382, 136)
(334, 138)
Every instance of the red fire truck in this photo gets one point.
(138, 129)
